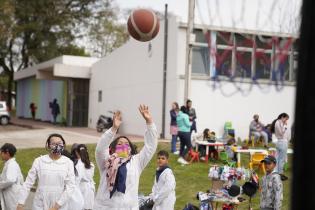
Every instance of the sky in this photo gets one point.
(264, 15)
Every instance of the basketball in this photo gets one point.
(143, 25)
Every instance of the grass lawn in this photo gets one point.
(189, 179)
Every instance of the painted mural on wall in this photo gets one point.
(41, 93)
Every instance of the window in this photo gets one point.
(243, 64)
(201, 37)
(243, 40)
(224, 38)
(99, 96)
(263, 65)
(200, 60)
(224, 62)
(234, 56)
(264, 42)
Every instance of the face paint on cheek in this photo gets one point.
(122, 150)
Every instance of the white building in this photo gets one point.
(133, 74)
(66, 79)
(222, 85)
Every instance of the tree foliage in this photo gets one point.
(106, 30)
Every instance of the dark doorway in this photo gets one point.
(78, 95)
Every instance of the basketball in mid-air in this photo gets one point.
(143, 24)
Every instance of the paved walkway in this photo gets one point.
(36, 132)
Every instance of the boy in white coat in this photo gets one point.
(163, 191)
(11, 178)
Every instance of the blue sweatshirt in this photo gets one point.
(183, 123)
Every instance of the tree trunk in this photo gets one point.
(9, 89)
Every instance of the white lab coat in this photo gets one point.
(163, 191)
(11, 181)
(86, 183)
(76, 202)
(56, 183)
(129, 199)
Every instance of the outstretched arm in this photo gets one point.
(150, 138)
(102, 147)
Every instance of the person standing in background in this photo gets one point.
(174, 129)
(33, 110)
(183, 133)
(11, 178)
(55, 110)
(192, 115)
(282, 143)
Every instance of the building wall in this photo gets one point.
(132, 75)
(128, 77)
(40, 92)
(218, 102)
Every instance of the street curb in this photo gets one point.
(24, 125)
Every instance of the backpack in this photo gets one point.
(272, 127)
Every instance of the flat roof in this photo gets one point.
(63, 66)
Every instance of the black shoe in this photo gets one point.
(283, 177)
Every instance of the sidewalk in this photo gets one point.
(36, 132)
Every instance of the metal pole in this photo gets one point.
(190, 27)
(164, 70)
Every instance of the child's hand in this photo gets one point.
(117, 120)
(144, 110)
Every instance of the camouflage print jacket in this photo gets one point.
(271, 191)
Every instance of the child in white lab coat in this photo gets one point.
(11, 178)
(120, 166)
(163, 191)
(85, 173)
(55, 175)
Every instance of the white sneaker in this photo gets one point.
(182, 161)
(176, 153)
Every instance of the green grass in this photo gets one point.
(189, 179)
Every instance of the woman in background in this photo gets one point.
(174, 129)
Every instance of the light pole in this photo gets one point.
(190, 28)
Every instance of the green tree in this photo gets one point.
(33, 31)
(107, 29)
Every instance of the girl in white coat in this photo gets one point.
(55, 175)
(163, 191)
(121, 167)
(11, 178)
(85, 173)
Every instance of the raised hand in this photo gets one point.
(117, 120)
(144, 110)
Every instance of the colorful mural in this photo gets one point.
(41, 92)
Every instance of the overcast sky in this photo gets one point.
(266, 15)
